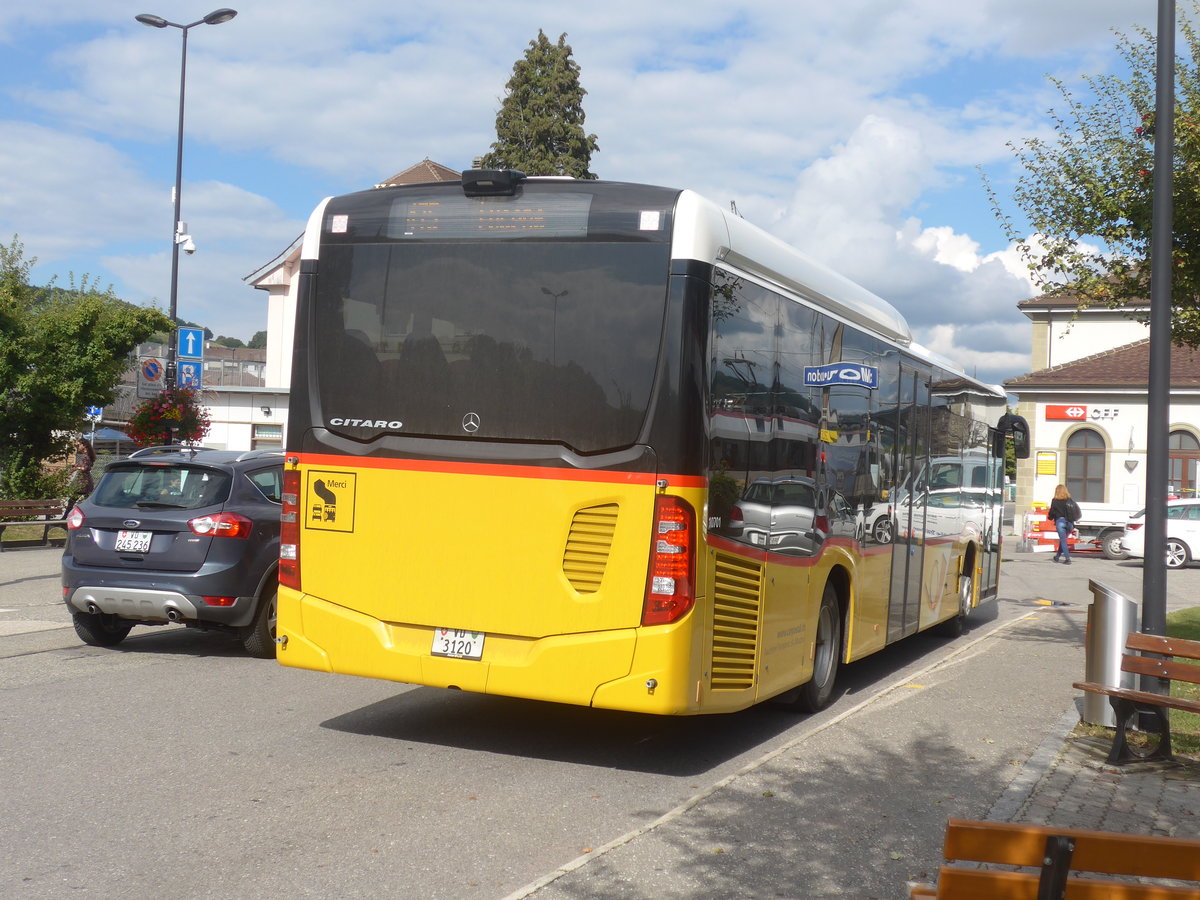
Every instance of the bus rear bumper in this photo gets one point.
(570, 668)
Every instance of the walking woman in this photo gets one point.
(1064, 513)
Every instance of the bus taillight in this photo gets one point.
(289, 531)
(670, 590)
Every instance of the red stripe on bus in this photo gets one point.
(553, 473)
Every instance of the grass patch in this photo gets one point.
(1185, 727)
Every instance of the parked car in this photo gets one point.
(1183, 533)
(789, 514)
(178, 535)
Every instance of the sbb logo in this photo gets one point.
(1074, 412)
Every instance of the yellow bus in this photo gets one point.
(608, 444)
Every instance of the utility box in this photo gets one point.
(1110, 618)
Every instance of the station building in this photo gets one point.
(1086, 403)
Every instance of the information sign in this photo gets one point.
(190, 375)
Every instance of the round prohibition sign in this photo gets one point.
(152, 370)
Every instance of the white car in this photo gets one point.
(1183, 533)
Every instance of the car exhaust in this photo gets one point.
(174, 615)
(93, 609)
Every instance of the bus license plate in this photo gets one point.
(133, 541)
(457, 643)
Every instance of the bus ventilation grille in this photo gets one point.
(737, 605)
(588, 546)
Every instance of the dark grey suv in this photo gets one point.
(182, 535)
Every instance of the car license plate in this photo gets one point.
(457, 643)
(133, 541)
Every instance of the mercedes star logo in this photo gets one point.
(471, 423)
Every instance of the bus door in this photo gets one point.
(912, 456)
(993, 517)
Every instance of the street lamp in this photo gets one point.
(179, 236)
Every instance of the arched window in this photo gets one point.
(1184, 451)
(1085, 465)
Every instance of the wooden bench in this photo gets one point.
(1053, 854)
(1127, 703)
(44, 514)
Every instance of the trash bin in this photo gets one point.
(1110, 618)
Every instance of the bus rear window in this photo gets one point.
(507, 340)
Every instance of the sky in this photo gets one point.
(857, 131)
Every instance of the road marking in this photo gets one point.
(28, 626)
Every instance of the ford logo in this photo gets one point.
(132, 523)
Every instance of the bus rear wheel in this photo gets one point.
(816, 693)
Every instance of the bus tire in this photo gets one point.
(956, 626)
(815, 694)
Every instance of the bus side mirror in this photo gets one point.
(1011, 423)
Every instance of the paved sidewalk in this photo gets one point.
(1068, 783)
(857, 806)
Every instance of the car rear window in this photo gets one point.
(161, 486)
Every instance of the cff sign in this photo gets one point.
(841, 373)
(1078, 412)
(1075, 412)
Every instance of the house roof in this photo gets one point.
(1055, 300)
(422, 173)
(1127, 366)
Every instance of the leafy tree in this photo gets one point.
(231, 342)
(539, 129)
(61, 350)
(258, 341)
(1087, 191)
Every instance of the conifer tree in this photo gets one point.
(539, 129)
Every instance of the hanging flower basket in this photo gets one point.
(175, 416)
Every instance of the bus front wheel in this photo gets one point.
(815, 694)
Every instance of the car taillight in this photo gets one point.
(75, 519)
(1133, 526)
(736, 515)
(226, 524)
(670, 583)
(289, 531)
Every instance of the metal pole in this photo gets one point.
(175, 228)
(1154, 571)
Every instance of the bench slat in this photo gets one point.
(1162, 668)
(1145, 697)
(1157, 643)
(983, 884)
(1007, 843)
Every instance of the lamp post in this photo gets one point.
(179, 237)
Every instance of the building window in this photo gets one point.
(267, 437)
(1184, 452)
(1086, 455)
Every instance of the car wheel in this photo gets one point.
(100, 630)
(259, 637)
(1110, 545)
(1177, 554)
(883, 530)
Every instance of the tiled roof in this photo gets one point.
(1121, 367)
(422, 173)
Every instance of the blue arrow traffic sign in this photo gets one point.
(191, 343)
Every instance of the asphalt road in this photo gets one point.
(174, 765)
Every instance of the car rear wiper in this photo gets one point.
(158, 504)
